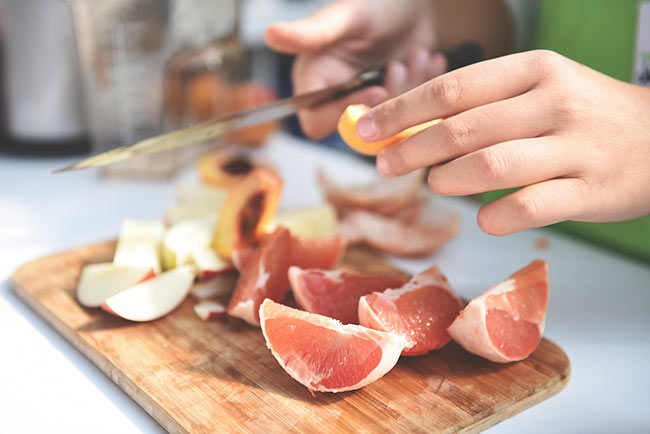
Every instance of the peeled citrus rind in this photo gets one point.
(247, 211)
(324, 355)
(347, 127)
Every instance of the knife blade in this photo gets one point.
(456, 58)
(232, 121)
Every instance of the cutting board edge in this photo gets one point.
(100, 361)
(522, 405)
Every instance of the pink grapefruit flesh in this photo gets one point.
(336, 293)
(323, 354)
(324, 252)
(420, 311)
(264, 275)
(506, 322)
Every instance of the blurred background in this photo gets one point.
(84, 76)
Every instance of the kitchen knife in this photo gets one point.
(457, 57)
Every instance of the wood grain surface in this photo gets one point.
(218, 376)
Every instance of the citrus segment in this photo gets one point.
(264, 275)
(397, 236)
(506, 322)
(317, 252)
(336, 293)
(347, 127)
(323, 354)
(420, 311)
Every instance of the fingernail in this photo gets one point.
(382, 165)
(366, 128)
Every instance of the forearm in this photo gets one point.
(487, 22)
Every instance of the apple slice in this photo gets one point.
(217, 286)
(183, 238)
(101, 281)
(209, 264)
(139, 244)
(153, 298)
(313, 222)
(208, 309)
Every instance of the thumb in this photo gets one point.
(315, 32)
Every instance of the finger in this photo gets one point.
(397, 78)
(523, 116)
(312, 72)
(314, 32)
(534, 206)
(504, 165)
(465, 88)
(418, 62)
(437, 66)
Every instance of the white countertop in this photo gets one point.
(599, 310)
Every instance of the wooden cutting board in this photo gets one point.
(195, 376)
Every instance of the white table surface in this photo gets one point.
(599, 310)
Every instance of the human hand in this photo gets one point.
(348, 36)
(577, 141)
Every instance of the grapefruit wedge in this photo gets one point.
(263, 275)
(323, 354)
(506, 322)
(323, 252)
(420, 311)
(336, 293)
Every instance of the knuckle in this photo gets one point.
(447, 90)
(546, 62)
(566, 107)
(493, 165)
(457, 134)
(526, 208)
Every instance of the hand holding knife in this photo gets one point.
(456, 58)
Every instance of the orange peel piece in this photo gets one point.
(347, 127)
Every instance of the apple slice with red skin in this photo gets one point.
(220, 285)
(101, 281)
(153, 298)
(209, 264)
(209, 309)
